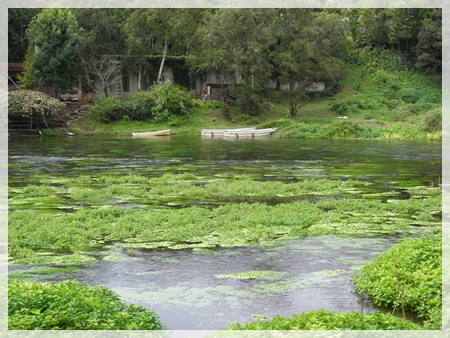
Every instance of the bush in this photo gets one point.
(247, 98)
(158, 104)
(342, 129)
(432, 120)
(325, 320)
(168, 100)
(108, 109)
(72, 306)
(419, 268)
(38, 104)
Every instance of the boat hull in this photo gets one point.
(249, 133)
(152, 133)
(220, 132)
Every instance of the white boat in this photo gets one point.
(220, 132)
(152, 133)
(249, 133)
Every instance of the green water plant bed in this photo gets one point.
(72, 306)
(407, 277)
(233, 224)
(257, 274)
(325, 320)
(72, 215)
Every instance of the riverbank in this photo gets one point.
(365, 107)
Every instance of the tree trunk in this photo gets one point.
(166, 46)
(292, 103)
(139, 78)
(292, 108)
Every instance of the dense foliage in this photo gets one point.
(72, 306)
(409, 275)
(34, 103)
(158, 104)
(325, 320)
(289, 45)
(57, 39)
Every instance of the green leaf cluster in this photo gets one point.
(325, 320)
(70, 305)
(158, 104)
(409, 275)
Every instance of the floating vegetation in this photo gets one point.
(88, 215)
(257, 274)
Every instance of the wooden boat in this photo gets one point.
(152, 133)
(249, 133)
(220, 132)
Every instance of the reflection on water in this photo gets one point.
(388, 163)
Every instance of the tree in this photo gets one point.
(106, 68)
(370, 28)
(18, 21)
(156, 31)
(103, 40)
(56, 36)
(310, 47)
(235, 43)
(429, 46)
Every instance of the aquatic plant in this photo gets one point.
(326, 320)
(72, 306)
(257, 274)
(408, 276)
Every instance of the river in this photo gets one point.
(195, 290)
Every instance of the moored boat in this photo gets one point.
(152, 133)
(249, 133)
(220, 132)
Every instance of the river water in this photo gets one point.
(195, 290)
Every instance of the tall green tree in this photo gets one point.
(429, 46)
(370, 28)
(236, 42)
(159, 32)
(403, 25)
(57, 37)
(103, 40)
(310, 47)
(18, 21)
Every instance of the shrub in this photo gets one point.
(37, 104)
(418, 264)
(72, 306)
(108, 109)
(168, 99)
(247, 98)
(158, 104)
(432, 120)
(325, 320)
(342, 129)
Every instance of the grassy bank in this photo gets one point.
(372, 104)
